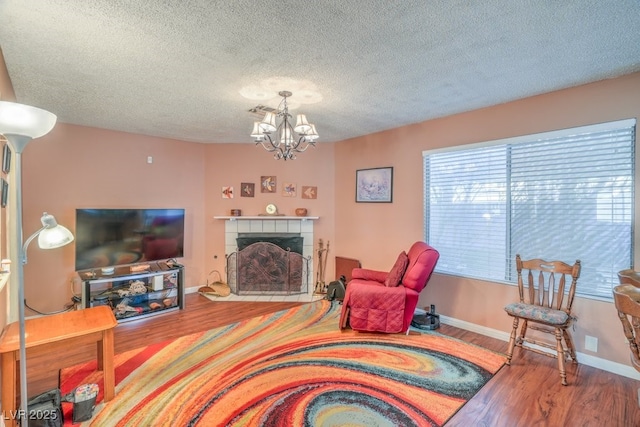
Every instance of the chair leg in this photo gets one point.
(560, 350)
(570, 346)
(523, 331)
(512, 340)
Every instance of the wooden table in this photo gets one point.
(50, 333)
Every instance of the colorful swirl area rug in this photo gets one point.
(290, 368)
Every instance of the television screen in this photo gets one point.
(111, 237)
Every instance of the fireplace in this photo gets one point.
(285, 249)
(263, 268)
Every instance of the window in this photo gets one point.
(563, 195)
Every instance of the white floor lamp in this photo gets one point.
(20, 124)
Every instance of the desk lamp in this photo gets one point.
(20, 124)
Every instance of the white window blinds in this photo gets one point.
(562, 195)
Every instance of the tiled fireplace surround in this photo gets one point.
(302, 225)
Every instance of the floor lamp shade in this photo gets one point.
(20, 119)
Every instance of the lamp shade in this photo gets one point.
(51, 238)
(302, 125)
(312, 134)
(53, 235)
(285, 136)
(269, 122)
(257, 131)
(20, 119)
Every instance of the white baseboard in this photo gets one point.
(585, 359)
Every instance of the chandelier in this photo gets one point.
(284, 143)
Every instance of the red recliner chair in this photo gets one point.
(379, 301)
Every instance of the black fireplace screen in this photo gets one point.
(266, 268)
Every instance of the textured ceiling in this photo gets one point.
(177, 68)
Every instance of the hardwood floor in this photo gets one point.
(527, 393)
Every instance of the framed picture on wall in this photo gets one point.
(374, 185)
(6, 158)
(289, 189)
(309, 192)
(4, 189)
(247, 189)
(227, 192)
(268, 184)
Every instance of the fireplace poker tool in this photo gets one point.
(324, 268)
(320, 287)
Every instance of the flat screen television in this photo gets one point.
(112, 237)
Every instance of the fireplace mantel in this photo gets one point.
(266, 217)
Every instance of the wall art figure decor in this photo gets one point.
(309, 192)
(374, 185)
(227, 192)
(6, 158)
(268, 184)
(247, 189)
(289, 189)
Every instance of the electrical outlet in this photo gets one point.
(591, 343)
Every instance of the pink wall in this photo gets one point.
(80, 167)
(375, 233)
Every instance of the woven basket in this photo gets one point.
(217, 288)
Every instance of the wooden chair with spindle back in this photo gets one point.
(544, 306)
(626, 297)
